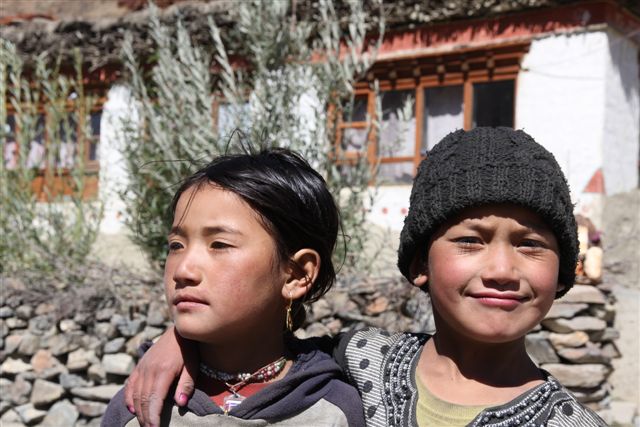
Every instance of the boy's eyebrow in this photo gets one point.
(206, 231)
(536, 226)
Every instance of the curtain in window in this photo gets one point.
(443, 113)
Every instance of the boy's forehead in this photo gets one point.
(488, 213)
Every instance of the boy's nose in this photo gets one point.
(501, 267)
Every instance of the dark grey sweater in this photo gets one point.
(313, 393)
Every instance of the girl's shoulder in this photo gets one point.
(546, 404)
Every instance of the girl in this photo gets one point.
(252, 237)
(491, 236)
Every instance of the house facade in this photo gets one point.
(568, 75)
(567, 72)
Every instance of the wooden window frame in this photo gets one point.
(462, 68)
(46, 185)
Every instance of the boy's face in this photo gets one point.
(493, 273)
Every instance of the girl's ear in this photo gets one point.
(418, 271)
(303, 271)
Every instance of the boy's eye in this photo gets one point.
(468, 240)
(531, 243)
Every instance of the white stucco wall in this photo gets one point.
(578, 96)
(560, 101)
(621, 136)
(390, 206)
(113, 175)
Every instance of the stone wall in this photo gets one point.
(576, 340)
(65, 352)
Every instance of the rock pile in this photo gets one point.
(65, 353)
(576, 340)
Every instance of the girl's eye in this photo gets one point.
(174, 246)
(220, 245)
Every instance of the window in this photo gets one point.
(493, 103)
(397, 135)
(443, 112)
(10, 148)
(352, 130)
(41, 155)
(424, 99)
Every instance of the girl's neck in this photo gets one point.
(242, 355)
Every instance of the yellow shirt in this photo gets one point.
(434, 412)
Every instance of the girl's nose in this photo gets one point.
(501, 267)
(187, 272)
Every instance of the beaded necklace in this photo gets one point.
(241, 379)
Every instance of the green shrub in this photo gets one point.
(282, 95)
(44, 229)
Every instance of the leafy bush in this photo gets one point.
(296, 74)
(45, 228)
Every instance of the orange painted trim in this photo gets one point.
(51, 188)
(497, 31)
(6, 20)
(596, 183)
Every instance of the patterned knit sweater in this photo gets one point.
(382, 367)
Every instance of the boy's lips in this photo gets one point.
(504, 300)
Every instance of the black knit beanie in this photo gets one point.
(485, 166)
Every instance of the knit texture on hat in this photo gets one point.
(486, 166)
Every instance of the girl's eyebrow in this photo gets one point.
(206, 231)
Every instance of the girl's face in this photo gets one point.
(222, 277)
(493, 273)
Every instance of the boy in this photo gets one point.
(491, 236)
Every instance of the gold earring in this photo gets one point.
(289, 320)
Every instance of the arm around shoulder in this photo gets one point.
(117, 414)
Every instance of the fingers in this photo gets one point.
(153, 396)
(152, 378)
(189, 373)
(129, 386)
(185, 388)
(139, 396)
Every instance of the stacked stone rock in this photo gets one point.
(61, 369)
(60, 366)
(576, 340)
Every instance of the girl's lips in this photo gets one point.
(185, 302)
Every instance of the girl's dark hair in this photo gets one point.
(292, 201)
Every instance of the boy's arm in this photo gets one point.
(169, 358)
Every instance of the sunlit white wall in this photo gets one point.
(113, 176)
